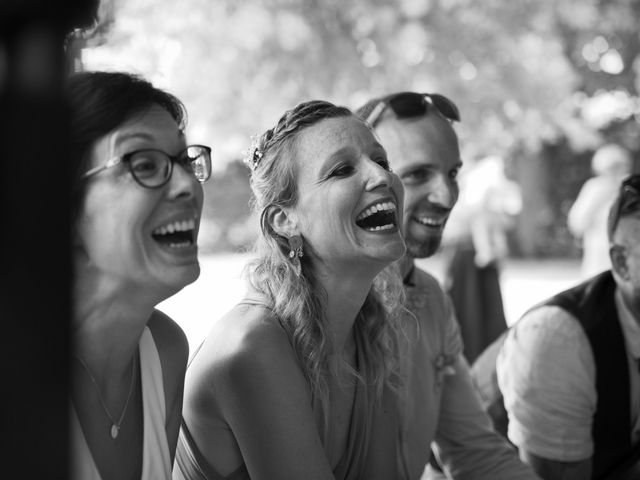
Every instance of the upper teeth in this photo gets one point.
(431, 222)
(378, 207)
(182, 226)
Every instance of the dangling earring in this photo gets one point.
(296, 252)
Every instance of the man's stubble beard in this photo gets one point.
(422, 249)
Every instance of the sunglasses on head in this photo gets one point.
(411, 104)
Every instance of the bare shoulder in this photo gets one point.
(170, 340)
(173, 349)
(247, 332)
(245, 349)
(248, 401)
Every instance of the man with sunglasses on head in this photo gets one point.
(443, 410)
(569, 370)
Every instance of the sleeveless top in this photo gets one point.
(191, 465)
(156, 461)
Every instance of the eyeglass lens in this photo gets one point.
(153, 168)
(199, 158)
(150, 167)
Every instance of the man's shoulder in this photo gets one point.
(547, 327)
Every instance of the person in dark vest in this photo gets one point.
(443, 408)
(569, 369)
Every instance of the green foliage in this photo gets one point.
(532, 78)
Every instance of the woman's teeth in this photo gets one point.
(182, 226)
(176, 234)
(378, 207)
(378, 217)
(430, 221)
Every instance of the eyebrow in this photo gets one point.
(124, 137)
(422, 165)
(341, 151)
(331, 159)
(142, 136)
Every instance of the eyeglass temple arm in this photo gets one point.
(108, 164)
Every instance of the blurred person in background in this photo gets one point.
(137, 202)
(475, 245)
(587, 218)
(443, 408)
(301, 379)
(569, 369)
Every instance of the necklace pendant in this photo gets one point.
(115, 429)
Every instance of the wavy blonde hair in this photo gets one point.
(298, 302)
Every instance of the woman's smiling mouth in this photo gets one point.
(177, 234)
(378, 217)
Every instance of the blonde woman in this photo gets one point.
(299, 380)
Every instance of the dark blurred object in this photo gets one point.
(35, 292)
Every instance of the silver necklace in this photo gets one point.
(115, 426)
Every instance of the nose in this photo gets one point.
(378, 176)
(183, 184)
(443, 191)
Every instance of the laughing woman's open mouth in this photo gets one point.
(380, 216)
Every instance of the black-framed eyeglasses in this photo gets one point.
(411, 104)
(153, 168)
(627, 202)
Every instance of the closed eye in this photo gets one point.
(342, 171)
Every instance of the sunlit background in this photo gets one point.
(541, 83)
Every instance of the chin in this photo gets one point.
(392, 253)
(423, 249)
(178, 278)
(191, 275)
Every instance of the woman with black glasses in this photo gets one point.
(137, 202)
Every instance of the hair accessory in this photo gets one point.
(296, 252)
(253, 154)
(115, 426)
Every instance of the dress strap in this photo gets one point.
(191, 465)
(156, 461)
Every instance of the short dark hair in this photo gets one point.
(627, 202)
(99, 103)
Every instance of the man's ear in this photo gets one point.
(618, 255)
(282, 221)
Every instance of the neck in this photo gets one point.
(108, 321)
(346, 294)
(406, 264)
